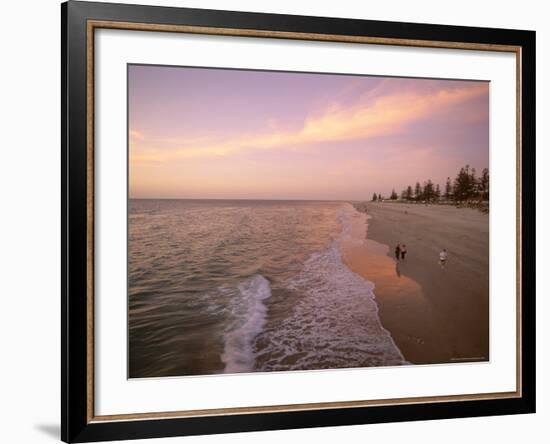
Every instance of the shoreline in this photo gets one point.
(434, 315)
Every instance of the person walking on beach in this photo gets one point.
(403, 251)
(397, 252)
(443, 258)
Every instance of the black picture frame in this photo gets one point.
(76, 328)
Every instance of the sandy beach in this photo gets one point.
(434, 315)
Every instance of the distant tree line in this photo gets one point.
(466, 186)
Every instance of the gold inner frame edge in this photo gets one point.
(97, 24)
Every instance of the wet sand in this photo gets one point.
(435, 315)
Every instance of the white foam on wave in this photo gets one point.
(247, 317)
(335, 322)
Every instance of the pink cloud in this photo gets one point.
(372, 115)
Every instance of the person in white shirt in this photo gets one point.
(443, 258)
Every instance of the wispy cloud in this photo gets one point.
(373, 115)
(135, 134)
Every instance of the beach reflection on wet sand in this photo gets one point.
(403, 308)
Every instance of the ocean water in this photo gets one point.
(243, 286)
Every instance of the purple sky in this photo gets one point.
(215, 133)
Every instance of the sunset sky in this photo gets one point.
(232, 134)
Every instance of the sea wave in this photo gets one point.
(247, 317)
(335, 322)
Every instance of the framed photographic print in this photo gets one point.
(275, 221)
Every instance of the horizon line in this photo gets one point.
(246, 199)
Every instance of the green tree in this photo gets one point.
(437, 192)
(474, 184)
(409, 193)
(484, 184)
(379, 196)
(417, 191)
(393, 195)
(374, 197)
(465, 184)
(448, 189)
(429, 192)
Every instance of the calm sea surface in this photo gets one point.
(242, 286)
